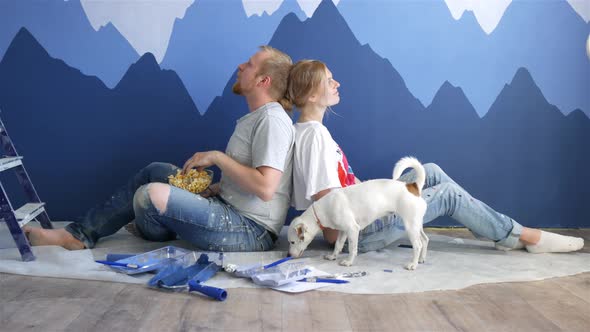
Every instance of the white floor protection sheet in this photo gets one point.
(452, 263)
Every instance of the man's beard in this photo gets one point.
(237, 89)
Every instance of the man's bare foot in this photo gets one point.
(52, 237)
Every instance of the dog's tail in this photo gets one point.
(411, 162)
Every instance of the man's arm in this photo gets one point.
(262, 181)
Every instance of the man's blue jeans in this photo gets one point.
(444, 197)
(208, 223)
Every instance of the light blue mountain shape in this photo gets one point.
(64, 30)
(427, 46)
(212, 39)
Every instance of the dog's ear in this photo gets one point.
(300, 231)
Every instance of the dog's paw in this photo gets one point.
(411, 266)
(330, 257)
(345, 262)
(421, 261)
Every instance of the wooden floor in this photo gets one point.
(46, 304)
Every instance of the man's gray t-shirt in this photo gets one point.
(264, 137)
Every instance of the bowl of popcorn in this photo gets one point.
(193, 181)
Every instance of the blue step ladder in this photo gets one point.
(34, 209)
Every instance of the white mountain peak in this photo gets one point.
(259, 6)
(489, 12)
(147, 25)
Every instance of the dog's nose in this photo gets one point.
(288, 254)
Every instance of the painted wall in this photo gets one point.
(500, 101)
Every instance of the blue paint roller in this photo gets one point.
(176, 277)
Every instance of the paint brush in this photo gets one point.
(331, 281)
(131, 266)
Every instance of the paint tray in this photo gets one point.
(156, 259)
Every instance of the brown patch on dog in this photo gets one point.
(300, 232)
(413, 188)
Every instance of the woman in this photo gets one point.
(321, 166)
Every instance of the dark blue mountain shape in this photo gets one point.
(212, 39)
(366, 81)
(428, 47)
(578, 120)
(529, 146)
(379, 121)
(165, 84)
(451, 103)
(450, 118)
(80, 139)
(548, 38)
(64, 30)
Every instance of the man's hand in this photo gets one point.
(200, 160)
(212, 190)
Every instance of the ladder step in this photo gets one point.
(28, 212)
(10, 162)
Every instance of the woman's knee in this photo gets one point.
(432, 168)
(450, 188)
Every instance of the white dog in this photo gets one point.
(351, 209)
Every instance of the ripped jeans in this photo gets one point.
(208, 223)
(444, 197)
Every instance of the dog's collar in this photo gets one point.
(317, 220)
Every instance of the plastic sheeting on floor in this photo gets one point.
(452, 263)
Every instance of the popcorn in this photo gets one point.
(195, 181)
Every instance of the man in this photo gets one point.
(244, 212)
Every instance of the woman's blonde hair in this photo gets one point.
(305, 78)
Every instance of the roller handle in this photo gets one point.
(213, 292)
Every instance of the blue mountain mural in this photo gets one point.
(428, 47)
(80, 139)
(64, 30)
(207, 45)
(525, 158)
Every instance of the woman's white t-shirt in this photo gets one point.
(318, 164)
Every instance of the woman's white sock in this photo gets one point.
(519, 245)
(551, 242)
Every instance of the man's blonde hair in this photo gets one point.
(277, 66)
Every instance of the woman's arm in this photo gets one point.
(330, 235)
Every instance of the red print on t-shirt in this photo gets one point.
(345, 173)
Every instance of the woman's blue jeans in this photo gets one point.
(208, 223)
(444, 197)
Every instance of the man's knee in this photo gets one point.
(158, 172)
(160, 166)
(158, 194)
